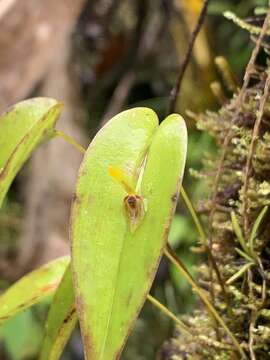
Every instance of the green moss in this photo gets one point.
(247, 314)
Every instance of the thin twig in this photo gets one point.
(253, 317)
(147, 34)
(174, 96)
(204, 242)
(170, 254)
(119, 96)
(255, 135)
(169, 314)
(229, 135)
(176, 90)
(238, 104)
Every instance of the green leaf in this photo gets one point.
(32, 288)
(113, 263)
(239, 234)
(244, 255)
(22, 128)
(256, 226)
(239, 273)
(61, 320)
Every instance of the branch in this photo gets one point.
(255, 132)
(176, 90)
(238, 103)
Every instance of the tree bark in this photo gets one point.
(35, 43)
(53, 171)
(31, 31)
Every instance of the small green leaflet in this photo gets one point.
(32, 288)
(22, 128)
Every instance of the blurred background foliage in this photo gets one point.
(126, 54)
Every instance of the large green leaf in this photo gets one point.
(113, 265)
(32, 288)
(61, 320)
(22, 128)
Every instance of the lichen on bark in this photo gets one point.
(236, 212)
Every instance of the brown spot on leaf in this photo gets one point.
(21, 305)
(69, 316)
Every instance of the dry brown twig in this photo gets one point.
(238, 103)
(176, 90)
(255, 135)
(251, 151)
(174, 95)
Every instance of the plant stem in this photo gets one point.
(169, 314)
(70, 140)
(212, 311)
(203, 237)
(239, 273)
(194, 216)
